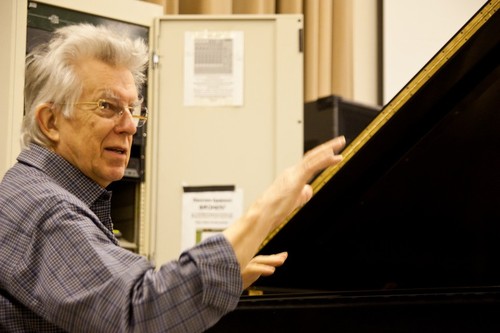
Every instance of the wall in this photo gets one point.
(414, 31)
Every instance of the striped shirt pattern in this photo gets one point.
(61, 269)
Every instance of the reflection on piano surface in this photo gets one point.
(403, 235)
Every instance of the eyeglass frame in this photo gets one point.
(139, 119)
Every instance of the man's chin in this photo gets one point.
(115, 175)
(118, 176)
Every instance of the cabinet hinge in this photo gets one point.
(155, 59)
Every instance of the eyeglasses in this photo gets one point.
(108, 109)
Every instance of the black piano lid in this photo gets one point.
(415, 205)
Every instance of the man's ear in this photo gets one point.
(48, 120)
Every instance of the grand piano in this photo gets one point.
(404, 234)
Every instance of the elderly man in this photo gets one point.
(61, 268)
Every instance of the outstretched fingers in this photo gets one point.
(323, 156)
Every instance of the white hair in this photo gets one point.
(51, 75)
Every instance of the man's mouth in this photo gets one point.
(117, 150)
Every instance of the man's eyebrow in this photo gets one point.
(109, 94)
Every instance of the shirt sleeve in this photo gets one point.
(73, 275)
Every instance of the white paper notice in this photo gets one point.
(213, 68)
(208, 211)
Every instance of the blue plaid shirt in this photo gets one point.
(61, 268)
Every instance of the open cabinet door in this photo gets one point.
(27, 23)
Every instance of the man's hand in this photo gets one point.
(289, 191)
(261, 265)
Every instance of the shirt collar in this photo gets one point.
(63, 173)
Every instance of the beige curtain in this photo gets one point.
(328, 53)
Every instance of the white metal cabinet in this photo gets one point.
(245, 144)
